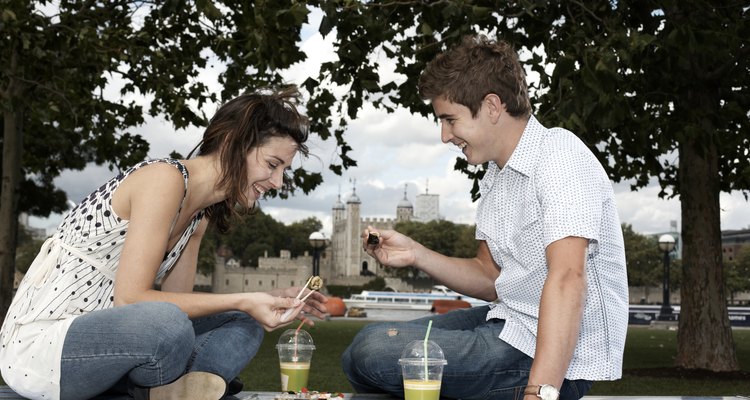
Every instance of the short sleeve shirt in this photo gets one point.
(554, 187)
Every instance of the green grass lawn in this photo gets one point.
(645, 349)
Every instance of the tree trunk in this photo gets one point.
(704, 338)
(11, 178)
(12, 151)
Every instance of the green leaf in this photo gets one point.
(325, 26)
(425, 29)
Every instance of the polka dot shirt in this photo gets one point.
(551, 188)
(73, 274)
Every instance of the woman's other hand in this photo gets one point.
(268, 309)
(313, 305)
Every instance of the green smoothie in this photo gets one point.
(421, 390)
(294, 376)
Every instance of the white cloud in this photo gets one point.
(735, 211)
(644, 210)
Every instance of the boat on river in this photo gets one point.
(407, 300)
(416, 305)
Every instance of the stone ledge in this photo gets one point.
(6, 393)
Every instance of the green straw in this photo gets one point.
(426, 337)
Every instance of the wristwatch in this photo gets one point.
(544, 392)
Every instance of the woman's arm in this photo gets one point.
(150, 199)
(181, 278)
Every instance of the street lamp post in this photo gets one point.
(666, 245)
(318, 242)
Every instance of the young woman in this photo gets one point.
(87, 316)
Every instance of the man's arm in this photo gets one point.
(473, 277)
(560, 311)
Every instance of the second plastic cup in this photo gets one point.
(422, 371)
(295, 352)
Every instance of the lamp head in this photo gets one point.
(317, 240)
(666, 243)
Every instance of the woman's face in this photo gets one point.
(266, 165)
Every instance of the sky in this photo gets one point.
(394, 152)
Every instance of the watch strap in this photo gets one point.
(536, 390)
(532, 389)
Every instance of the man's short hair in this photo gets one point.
(476, 67)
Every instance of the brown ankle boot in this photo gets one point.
(193, 385)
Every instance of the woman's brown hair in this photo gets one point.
(242, 124)
(473, 69)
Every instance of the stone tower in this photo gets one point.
(353, 249)
(337, 248)
(428, 208)
(347, 258)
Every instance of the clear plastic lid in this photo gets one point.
(414, 353)
(291, 338)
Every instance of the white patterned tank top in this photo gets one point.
(72, 275)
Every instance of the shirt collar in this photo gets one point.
(524, 158)
(485, 185)
(526, 154)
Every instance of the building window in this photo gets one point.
(260, 283)
(365, 271)
(245, 282)
(227, 282)
(291, 283)
(272, 283)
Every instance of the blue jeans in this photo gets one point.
(480, 365)
(152, 344)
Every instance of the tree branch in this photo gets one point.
(726, 68)
(593, 15)
(394, 3)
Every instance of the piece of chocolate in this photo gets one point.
(373, 238)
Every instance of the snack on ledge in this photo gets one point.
(305, 394)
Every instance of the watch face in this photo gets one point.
(548, 392)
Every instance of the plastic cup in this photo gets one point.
(295, 352)
(422, 373)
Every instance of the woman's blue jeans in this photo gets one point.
(152, 344)
(480, 365)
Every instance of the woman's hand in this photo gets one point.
(314, 304)
(268, 309)
(393, 249)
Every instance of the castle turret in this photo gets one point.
(339, 210)
(404, 210)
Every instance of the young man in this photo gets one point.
(550, 251)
